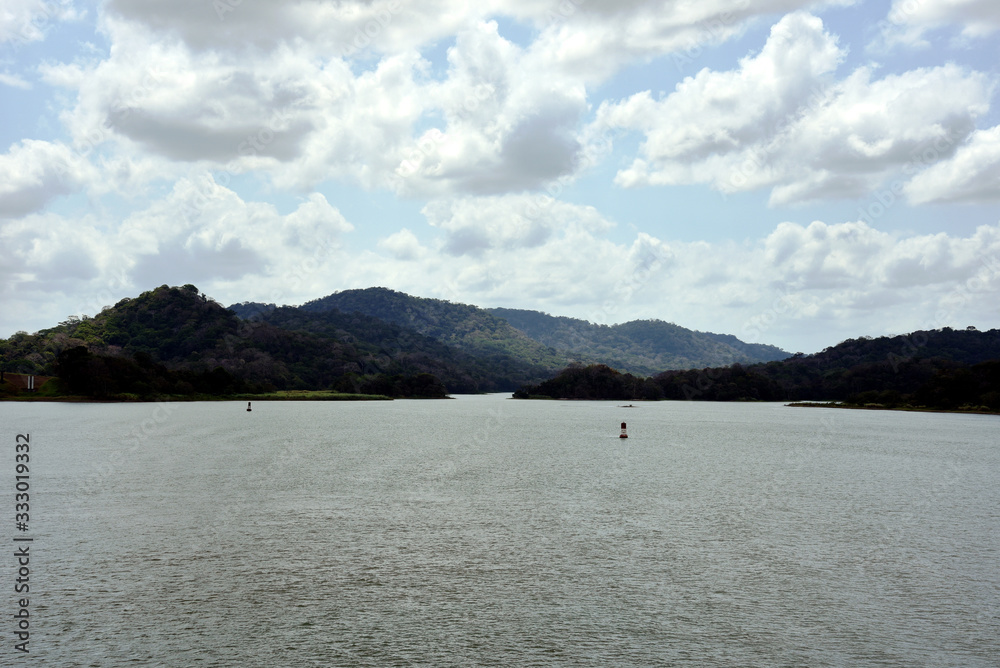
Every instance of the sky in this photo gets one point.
(794, 173)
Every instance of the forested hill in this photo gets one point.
(943, 368)
(180, 329)
(463, 326)
(640, 347)
(897, 365)
(391, 348)
(350, 341)
(376, 341)
(549, 342)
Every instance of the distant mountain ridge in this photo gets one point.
(641, 346)
(463, 326)
(186, 331)
(349, 341)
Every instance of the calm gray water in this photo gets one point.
(485, 531)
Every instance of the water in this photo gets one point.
(484, 531)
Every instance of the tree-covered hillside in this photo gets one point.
(380, 341)
(394, 349)
(898, 364)
(180, 329)
(469, 328)
(172, 324)
(642, 346)
(940, 369)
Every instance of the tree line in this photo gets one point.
(945, 368)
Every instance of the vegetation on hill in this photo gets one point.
(595, 381)
(82, 373)
(468, 328)
(899, 364)
(945, 369)
(389, 348)
(642, 347)
(178, 341)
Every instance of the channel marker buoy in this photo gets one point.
(623, 434)
(248, 407)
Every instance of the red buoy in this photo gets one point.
(623, 434)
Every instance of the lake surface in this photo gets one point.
(485, 531)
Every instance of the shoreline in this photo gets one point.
(293, 395)
(906, 409)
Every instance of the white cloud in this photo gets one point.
(25, 21)
(403, 245)
(363, 125)
(507, 125)
(971, 175)
(162, 99)
(203, 232)
(599, 37)
(14, 81)
(518, 248)
(798, 284)
(199, 233)
(45, 249)
(856, 256)
(511, 223)
(909, 21)
(780, 122)
(51, 267)
(351, 28)
(283, 97)
(859, 280)
(265, 89)
(33, 173)
(588, 39)
(250, 86)
(497, 123)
